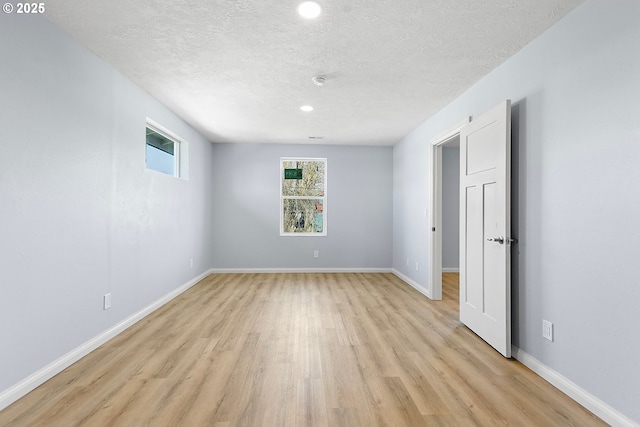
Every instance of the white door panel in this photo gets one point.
(485, 305)
(472, 286)
(492, 256)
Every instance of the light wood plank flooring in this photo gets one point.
(299, 350)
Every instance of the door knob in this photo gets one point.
(501, 240)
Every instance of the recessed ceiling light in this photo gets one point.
(309, 9)
(306, 108)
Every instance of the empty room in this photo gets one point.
(269, 213)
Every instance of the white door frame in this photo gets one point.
(435, 284)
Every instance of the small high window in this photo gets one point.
(165, 152)
(303, 197)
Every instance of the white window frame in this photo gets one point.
(323, 197)
(180, 150)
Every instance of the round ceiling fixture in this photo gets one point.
(309, 9)
(319, 80)
(306, 108)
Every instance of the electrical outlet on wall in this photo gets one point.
(106, 301)
(316, 254)
(547, 330)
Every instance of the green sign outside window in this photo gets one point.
(293, 174)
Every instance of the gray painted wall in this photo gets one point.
(450, 208)
(79, 214)
(576, 150)
(247, 208)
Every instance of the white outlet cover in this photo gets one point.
(106, 302)
(547, 330)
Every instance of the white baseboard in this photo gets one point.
(7, 397)
(300, 270)
(450, 270)
(412, 283)
(586, 399)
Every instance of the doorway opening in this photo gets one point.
(448, 210)
(451, 220)
(445, 217)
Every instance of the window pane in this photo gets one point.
(303, 215)
(160, 161)
(159, 141)
(160, 153)
(303, 178)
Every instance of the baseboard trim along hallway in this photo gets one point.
(298, 270)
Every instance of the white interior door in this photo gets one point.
(485, 224)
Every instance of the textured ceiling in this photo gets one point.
(238, 70)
